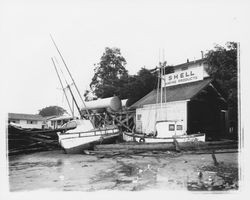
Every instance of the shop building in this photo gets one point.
(188, 101)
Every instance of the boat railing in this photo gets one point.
(92, 130)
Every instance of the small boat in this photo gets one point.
(84, 136)
(162, 135)
(143, 138)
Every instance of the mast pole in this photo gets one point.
(161, 76)
(68, 86)
(62, 86)
(157, 96)
(70, 76)
(73, 98)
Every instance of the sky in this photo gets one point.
(143, 30)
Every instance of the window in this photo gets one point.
(179, 127)
(171, 127)
(139, 117)
(70, 124)
(31, 122)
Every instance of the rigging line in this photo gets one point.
(62, 85)
(68, 86)
(74, 99)
(63, 74)
(71, 77)
(61, 71)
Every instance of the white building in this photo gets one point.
(189, 102)
(27, 120)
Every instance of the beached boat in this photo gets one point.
(127, 136)
(85, 133)
(162, 134)
(84, 136)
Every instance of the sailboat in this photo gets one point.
(83, 134)
(162, 127)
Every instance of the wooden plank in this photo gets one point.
(162, 146)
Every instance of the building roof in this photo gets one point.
(173, 93)
(202, 60)
(186, 64)
(21, 116)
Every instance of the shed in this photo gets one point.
(196, 107)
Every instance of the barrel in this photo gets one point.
(111, 103)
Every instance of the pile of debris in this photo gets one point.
(30, 140)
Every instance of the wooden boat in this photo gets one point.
(84, 136)
(143, 138)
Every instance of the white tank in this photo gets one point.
(124, 103)
(111, 103)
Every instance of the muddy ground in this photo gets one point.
(57, 171)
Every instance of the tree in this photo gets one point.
(111, 78)
(139, 85)
(110, 73)
(223, 68)
(52, 110)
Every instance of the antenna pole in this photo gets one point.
(62, 86)
(70, 75)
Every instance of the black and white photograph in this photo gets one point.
(123, 97)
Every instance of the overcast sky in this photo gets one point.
(82, 29)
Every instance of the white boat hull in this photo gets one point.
(79, 141)
(151, 139)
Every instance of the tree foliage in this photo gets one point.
(52, 110)
(223, 68)
(110, 73)
(111, 78)
(139, 85)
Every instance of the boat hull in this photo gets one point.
(75, 143)
(150, 139)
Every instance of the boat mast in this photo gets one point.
(157, 94)
(73, 97)
(71, 77)
(62, 86)
(161, 67)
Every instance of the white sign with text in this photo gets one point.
(181, 77)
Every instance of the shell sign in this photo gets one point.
(181, 77)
